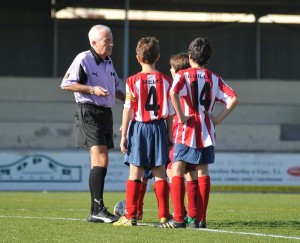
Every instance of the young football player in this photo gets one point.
(179, 62)
(194, 93)
(146, 130)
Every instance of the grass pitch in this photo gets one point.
(231, 217)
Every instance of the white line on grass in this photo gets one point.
(238, 233)
(255, 234)
(149, 224)
(49, 218)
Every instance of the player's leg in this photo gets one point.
(191, 192)
(162, 191)
(169, 175)
(140, 205)
(169, 171)
(181, 155)
(204, 191)
(133, 187)
(178, 191)
(208, 157)
(140, 202)
(120, 207)
(159, 158)
(132, 191)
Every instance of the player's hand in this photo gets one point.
(184, 119)
(170, 143)
(123, 145)
(211, 117)
(99, 91)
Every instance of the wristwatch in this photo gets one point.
(92, 91)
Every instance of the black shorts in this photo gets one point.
(93, 126)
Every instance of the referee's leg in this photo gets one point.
(99, 163)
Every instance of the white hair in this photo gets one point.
(95, 32)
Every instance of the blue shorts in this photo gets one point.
(147, 174)
(194, 156)
(147, 144)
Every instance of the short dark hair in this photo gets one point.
(180, 61)
(148, 49)
(200, 50)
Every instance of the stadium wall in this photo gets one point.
(37, 114)
(258, 146)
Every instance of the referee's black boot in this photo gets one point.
(104, 216)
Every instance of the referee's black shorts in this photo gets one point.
(93, 126)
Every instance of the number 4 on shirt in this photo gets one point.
(151, 103)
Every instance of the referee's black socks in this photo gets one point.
(97, 182)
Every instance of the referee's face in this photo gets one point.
(104, 46)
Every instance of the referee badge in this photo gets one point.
(67, 76)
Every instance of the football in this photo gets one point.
(120, 208)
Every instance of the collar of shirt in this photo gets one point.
(97, 58)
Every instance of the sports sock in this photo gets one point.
(162, 192)
(140, 202)
(191, 191)
(97, 181)
(199, 206)
(170, 186)
(204, 190)
(132, 193)
(178, 191)
(171, 194)
(91, 191)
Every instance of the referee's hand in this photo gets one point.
(99, 91)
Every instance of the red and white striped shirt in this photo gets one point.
(199, 90)
(148, 94)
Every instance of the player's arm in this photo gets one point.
(231, 104)
(170, 129)
(176, 103)
(125, 124)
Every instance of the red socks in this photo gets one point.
(191, 191)
(132, 194)
(162, 192)
(140, 202)
(204, 190)
(178, 191)
(135, 192)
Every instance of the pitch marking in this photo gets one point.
(149, 224)
(255, 234)
(31, 217)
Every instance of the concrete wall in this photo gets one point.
(36, 114)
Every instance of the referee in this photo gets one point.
(95, 84)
